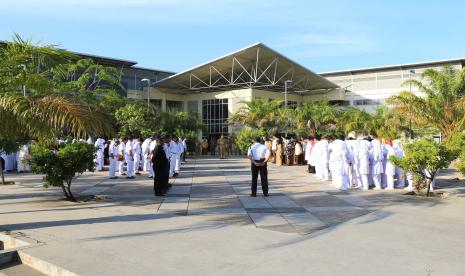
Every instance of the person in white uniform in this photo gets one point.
(175, 159)
(23, 155)
(121, 154)
(363, 153)
(340, 159)
(113, 156)
(352, 150)
(129, 158)
(323, 155)
(376, 158)
(100, 145)
(390, 169)
(137, 150)
(145, 153)
(151, 150)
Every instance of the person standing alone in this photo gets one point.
(259, 155)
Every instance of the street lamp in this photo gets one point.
(285, 91)
(148, 90)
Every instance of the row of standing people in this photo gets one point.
(361, 163)
(136, 155)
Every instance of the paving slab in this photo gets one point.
(267, 219)
(281, 202)
(254, 202)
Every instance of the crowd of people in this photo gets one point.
(351, 163)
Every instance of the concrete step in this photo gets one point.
(19, 269)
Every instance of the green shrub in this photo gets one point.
(245, 136)
(424, 158)
(61, 163)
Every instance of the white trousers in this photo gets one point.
(389, 182)
(130, 166)
(377, 180)
(147, 163)
(365, 184)
(112, 168)
(120, 167)
(99, 161)
(177, 166)
(136, 163)
(323, 170)
(149, 166)
(172, 165)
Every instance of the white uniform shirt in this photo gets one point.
(121, 148)
(152, 146)
(136, 147)
(258, 151)
(100, 143)
(145, 146)
(128, 149)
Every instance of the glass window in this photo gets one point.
(215, 115)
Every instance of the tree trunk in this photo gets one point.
(429, 181)
(69, 190)
(65, 192)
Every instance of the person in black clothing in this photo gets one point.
(160, 168)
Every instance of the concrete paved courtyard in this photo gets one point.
(208, 225)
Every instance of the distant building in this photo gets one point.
(368, 88)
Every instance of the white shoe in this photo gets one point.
(376, 188)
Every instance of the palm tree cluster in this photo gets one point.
(441, 105)
(38, 102)
(317, 117)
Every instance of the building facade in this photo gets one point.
(218, 88)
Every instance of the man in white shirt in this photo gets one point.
(137, 152)
(376, 158)
(129, 158)
(148, 161)
(175, 158)
(121, 153)
(259, 155)
(145, 154)
(113, 155)
(100, 145)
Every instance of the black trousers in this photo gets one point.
(263, 171)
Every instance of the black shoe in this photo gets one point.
(150, 177)
(137, 173)
(130, 177)
(265, 195)
(253, 195)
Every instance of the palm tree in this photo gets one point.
(258, 113)
(354, 119)
(42, 114)
(316, 116)
(442, 104)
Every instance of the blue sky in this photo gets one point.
(176, 35)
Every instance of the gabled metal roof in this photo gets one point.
(255, 66)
